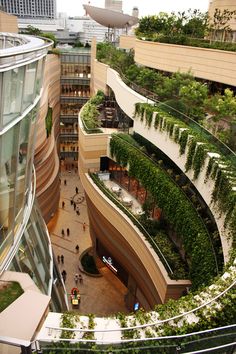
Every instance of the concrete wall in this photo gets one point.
(8, 23)
(126, 243)
(221, 5)
(46, 158)
(209, 64)
(126, 99)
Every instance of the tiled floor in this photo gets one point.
(135, 207)
(101, 296)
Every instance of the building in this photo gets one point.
(75, 92)
(224, 5)
(30, 9)
(8, 23)
(25, 242)
(117, 240)
(115, 5)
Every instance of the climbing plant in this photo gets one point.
(176, 208)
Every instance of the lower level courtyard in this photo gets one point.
(69, 228)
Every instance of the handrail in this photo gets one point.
(223, 148)
(156, 323)
(199, 216)
(133, 218)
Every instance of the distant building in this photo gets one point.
(30, 9)
(224, 5)
(135, 11)
(8, 23)
(115, 5)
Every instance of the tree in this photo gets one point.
(193, 96)
(219, 25)
(171, 85)
(222, 106)
(149, 79)
(49, 36)
(197, 24)
(33, 31)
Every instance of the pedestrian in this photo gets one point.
(76, 248)
(62, 259)
(68, 231)
(64, 182)
(74, 205)
(63, 232)
(80, 279)
(84, 226)
(63, 273)
(71, 201)
(76, 278)
(63, 204)
(76, 190)
(58, 259)
(77, 212)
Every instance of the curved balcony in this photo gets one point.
(134, 251)
(17, 49)
(127, 98)
(209, 64)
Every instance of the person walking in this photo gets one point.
(76, 248)
(64, 274)
(68, 231)
(64, 182)
(62, 259)
(76, 278)
(84, 226)
(62, 232)
(74, 205)
(77, 211)
(76, 190)
(63, 205)
(58, 259)
(80, 279)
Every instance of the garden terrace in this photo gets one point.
(177, 209)
(163, 247)
(102, 112)
(209, 308)
(220, 168)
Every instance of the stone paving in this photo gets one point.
(99, 295)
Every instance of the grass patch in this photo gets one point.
(88, 264)
(9, 292)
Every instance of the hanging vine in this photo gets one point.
(191, 150)
(177, 209)
(183, 141)
(198, 159)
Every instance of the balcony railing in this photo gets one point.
(203, 132)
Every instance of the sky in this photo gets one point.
(146, 7)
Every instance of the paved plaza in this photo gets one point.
(99, 295)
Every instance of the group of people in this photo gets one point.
(60, 259)
(78, 277)
(67, 232)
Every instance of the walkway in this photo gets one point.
(101, 296)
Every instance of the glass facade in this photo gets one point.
(24, 242)
(75, 92)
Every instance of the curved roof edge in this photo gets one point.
(110, 18)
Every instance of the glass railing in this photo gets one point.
(25, 48)
(199, 129)
(219, 340)
(136, 222)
